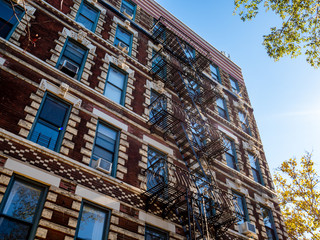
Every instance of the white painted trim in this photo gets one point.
(229, 134)
(157, 222)
(157, 145)
(110, 119)
(97, 198)
(32, 172)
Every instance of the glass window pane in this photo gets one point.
(89, 12)
(85, 21)
(22, 201)
(105, 142)
(53, 112)
(123, 36)
(74, 52)
(8, 18)
(100, 152)
(128, 7)
(116, 77)
(230, 161)
(92, 224)
(113, 93)
(44, 135)
(155, 234)
(10, 229)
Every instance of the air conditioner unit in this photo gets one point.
(104, 165)
(130, 16)
(123, 47)
(69, 68)
(248, 229)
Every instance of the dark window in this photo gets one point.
(244, 123)
(215, 73)
(242, 212)
(93, 223)
(116, 85)
(157, 166)
(128, 8)
(159, 65)
(234, 86)
(230, 153)
(20, 210)
(268, 223)
(72, 59)
(159, 30)
(49, 126)
(153, 233)
(88, 16)
(123, 39)
(222, 108)
(255, 168)
(189, 51)
(105, 148)
(158, 104)
(9, 12)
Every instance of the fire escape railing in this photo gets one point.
(204, 210)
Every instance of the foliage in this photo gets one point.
(299, 197)
(300, 27)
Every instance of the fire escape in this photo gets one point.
(204, 210)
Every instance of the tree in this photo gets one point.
(300, 27)
(299, 196)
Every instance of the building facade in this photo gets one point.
(117, 121)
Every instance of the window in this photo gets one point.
(153, 233)
(157, 166)
(230, 153)
(93, 223)
(20, 209)
(242, 212)
(116, 85)
(222, 108)
(128, 8)
(158, 104)
(105, 149)
(123, 39)
(159, 64)
(49, 126)
(159, 30)
(215, 73)
(244, 123)
(189, 51)
(8, 18)
(72, 59)
(198, 135)
(234, 86)
(268, 223)
(88, 16)
(255, 168)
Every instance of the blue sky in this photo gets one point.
(284, 94)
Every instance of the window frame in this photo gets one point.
(84, 60)
(235, 90)
(14, 26)
(106, 226)
(218, 78)
(134, 6)
(65, 123)
(40, 205)
(157, 230)
(257, 169)
(225, 109)
(116, 147)
(271, 220)
(234, 156)
(98, 12)
(125, 84)
(245, 216)
(131, 38)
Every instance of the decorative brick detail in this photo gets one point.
(2, 161)
(130, 211)
(89, 138)
(68, 186)
(5, 176)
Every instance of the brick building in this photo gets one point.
(117, 121)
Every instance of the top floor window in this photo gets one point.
(230, 153)
(123, 40)
(159, 30)
(234, 86)
(159, 64)
(128, 8)
(268, 223)
(255, 168)
(88, 15)
(73, 58)
(189, 51)
(48, 128)
(8, 17)
(244, 123)
(214, 72)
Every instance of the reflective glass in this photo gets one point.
(8, 17)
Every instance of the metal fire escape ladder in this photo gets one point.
(204, 210)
